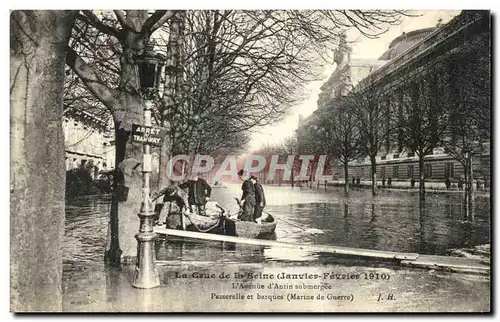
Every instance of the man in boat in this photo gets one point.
(172, 194)
(198, 193)
(260, 198)
(247, 199)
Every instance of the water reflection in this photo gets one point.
(393, 221)
(85, 231)
(390, 221)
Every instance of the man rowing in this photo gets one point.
(260, 198)
(172, 194)
(247, 198)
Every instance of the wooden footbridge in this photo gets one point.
(443, 263)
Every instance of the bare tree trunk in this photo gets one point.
(421, 183)
(165, 150)
(374, 174)
(129, 174)
(127, 106)
(113, 251)
(346, 178)
(468, 193)
(184, 170)
(292, 177)
(172, 91)
(128, 154)
(38, 41)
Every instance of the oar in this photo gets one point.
(238, 202)
(224, 211)
(313, 231)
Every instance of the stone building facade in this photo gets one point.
(89, 141)
(411, 57)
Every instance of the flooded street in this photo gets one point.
(392, 221)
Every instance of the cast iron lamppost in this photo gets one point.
(149, 66)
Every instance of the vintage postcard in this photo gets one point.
(250, 160)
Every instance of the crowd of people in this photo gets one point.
(481, 185)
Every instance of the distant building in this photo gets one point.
(88, 141)
(405, 41)
(408, 58)
(347, 74)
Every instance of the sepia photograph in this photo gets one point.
(250, 161)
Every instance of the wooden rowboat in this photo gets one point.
(250, 229)
(223, 225)
(197, 223)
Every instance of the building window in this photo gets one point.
(411, 154)
(449, 170)
(395, 156)
(384, 157)
(362, 172)
(428, 170)
(411, 171)
(395, 171)
(382, 172)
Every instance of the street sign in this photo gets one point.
(148, 134)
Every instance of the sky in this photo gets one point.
(362, 48)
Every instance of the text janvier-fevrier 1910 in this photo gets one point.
(287, 276)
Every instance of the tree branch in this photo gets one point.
(123, 20)
(156, 20)
(90, 18)
(91, 80)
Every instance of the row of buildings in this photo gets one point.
(409, 57)
(89, 142)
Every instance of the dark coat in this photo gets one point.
(260, 197)
(248, 190)
(175, 198)
(197, 191)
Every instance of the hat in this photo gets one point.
(253, 177)
(170, 191)
(240, 173)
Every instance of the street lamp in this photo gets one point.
(149, 67)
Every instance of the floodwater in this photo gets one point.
(392, 221)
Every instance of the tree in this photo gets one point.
(243, 68)
(341, 136)
(38, 41)
(172, 95)
(468, 105)
(123, 36)
(289, 147)
(424, 119)
(369, 106)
